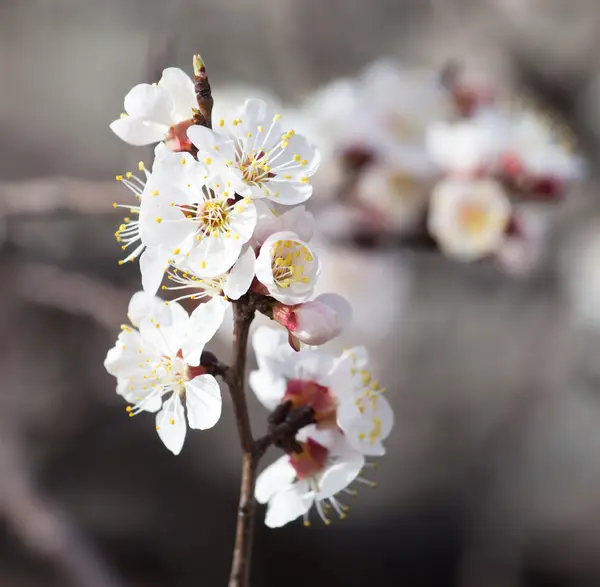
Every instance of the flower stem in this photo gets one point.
(243, 314)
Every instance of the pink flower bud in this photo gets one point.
(315, 322)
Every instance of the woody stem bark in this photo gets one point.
(243, 313)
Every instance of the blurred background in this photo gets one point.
(492, 477)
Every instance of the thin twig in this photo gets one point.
(243, 314)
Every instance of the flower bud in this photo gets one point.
(198, 65)
(315, 322)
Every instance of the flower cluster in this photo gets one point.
(218, 219)
(351, 419)
(439, 156)
(500, 167)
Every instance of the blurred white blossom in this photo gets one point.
(468, 218)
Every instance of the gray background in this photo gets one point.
(493, 472)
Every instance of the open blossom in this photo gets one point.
(272, 162)
(231, 285)
(468, 218)
(393, 197)
(540, 149)
(192, 214)
(157, 112)
(467, 147)
(317, 321)
(295, 483)
(402, 102)
(340, 390)
(287, 267)
(329, 115)
(153, 259)
(161, 358)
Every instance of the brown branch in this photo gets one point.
(243, 314)
(203, 115)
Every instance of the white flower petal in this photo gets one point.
(153, 264)
(288, 193)
(359, 355)
(255, 110)
(366, 430)
(181, 88)
(272, 351)
(214, 256)
(312, 364)
(161, 152)
(269, 390)
(163, 224)
(151, 405)
(267, 222)
(284, 251)
(468, 219)
(170, 424)
(241, 275)
(263, 268)
(203, 400)
(243, 220)
(169, 335)
(274, 478)
(150, 103)
(300, 221)
(141, 305)
(326, 437)
(138, 132)
(287, 505)
(209, 142)
(340, 475)
(322, 319)
(463, 147)
(119, 360)
(204, 323)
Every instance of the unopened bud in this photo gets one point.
(315, 322)
(198, 65)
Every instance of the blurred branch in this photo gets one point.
(44, 528)
(73, 293)
(42, 196)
